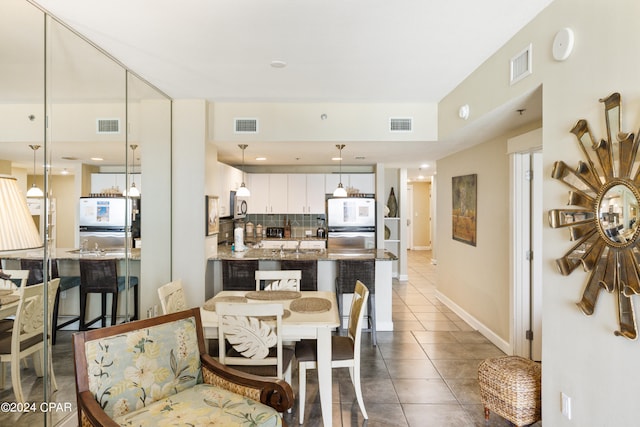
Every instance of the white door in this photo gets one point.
(526, 263)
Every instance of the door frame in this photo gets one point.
(525, 252)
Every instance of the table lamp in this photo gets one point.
(17, 228)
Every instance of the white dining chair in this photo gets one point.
(278, 280)
(21, 275)
(345, 351)
(172, 297)
(27, 336)
(254, 332)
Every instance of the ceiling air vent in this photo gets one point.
(108, 125)
(401, 124)
(246, 125)
(521, 65)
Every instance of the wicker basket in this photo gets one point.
(510, 386)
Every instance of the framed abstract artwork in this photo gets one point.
(465, 198)
(212, 216)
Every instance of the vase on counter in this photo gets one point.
(392, 204)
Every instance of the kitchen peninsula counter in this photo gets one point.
(327, 269)
(225, 253)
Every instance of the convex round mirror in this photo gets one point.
(617, 209)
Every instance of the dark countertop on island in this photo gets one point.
(225, 253)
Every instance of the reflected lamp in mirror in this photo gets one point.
(34, 191)
(17, 228)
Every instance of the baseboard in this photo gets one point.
(479, 326)
(403, 277)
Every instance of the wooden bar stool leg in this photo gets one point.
(114, 307)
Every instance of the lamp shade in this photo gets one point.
(17, 228)
(243, 191)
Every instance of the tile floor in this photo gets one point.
(424, 373)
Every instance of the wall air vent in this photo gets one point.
(246, 125)
(521, 65)
(404, 124)
(108, 126)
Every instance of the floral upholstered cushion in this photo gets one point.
(203, 405)
(131, 371)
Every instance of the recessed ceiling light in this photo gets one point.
(278, 64)
(336, 159)
(424, 166)
(260, 159)
(97, 159)
(360, 157)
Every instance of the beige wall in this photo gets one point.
(63, 188)
(421, 217)
(476, 277)
(580, 355)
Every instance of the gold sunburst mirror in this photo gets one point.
(603, 216)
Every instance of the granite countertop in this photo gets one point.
(225, 253)
(73, 254)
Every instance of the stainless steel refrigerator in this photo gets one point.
(351, 223)
(103, 223)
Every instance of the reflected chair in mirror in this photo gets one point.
(349, 272)
(254, 334)
(239, 275)
(309, 268)
(100, 276)
(36, 275)
(18, 279)
(27, 335)
(345, 351)
(278, 280)
(172, 297)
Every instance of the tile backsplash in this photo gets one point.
(300, 224)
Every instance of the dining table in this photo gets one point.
(308, 315)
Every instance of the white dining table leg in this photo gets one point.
(324, 374)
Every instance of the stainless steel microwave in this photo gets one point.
(238, 206)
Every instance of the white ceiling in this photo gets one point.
(336, 51)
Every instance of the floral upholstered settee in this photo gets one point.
(156, 372)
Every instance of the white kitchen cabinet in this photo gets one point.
(363, 182)
(230, 179)
(315, 193)
(269, 193)
(108, 182)
(305, 193)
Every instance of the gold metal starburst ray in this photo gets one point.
(604, 216)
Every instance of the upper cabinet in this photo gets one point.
(230, 179)
(268, 193)
(362, 182)
(305, 193)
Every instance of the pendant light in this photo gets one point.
(243, 191)
(340, 191)
(34, 191)
(133, 190)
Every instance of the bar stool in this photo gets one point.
(36, 275)
(309, 268)
(349, 272)
(99, 276)
(239, 275)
